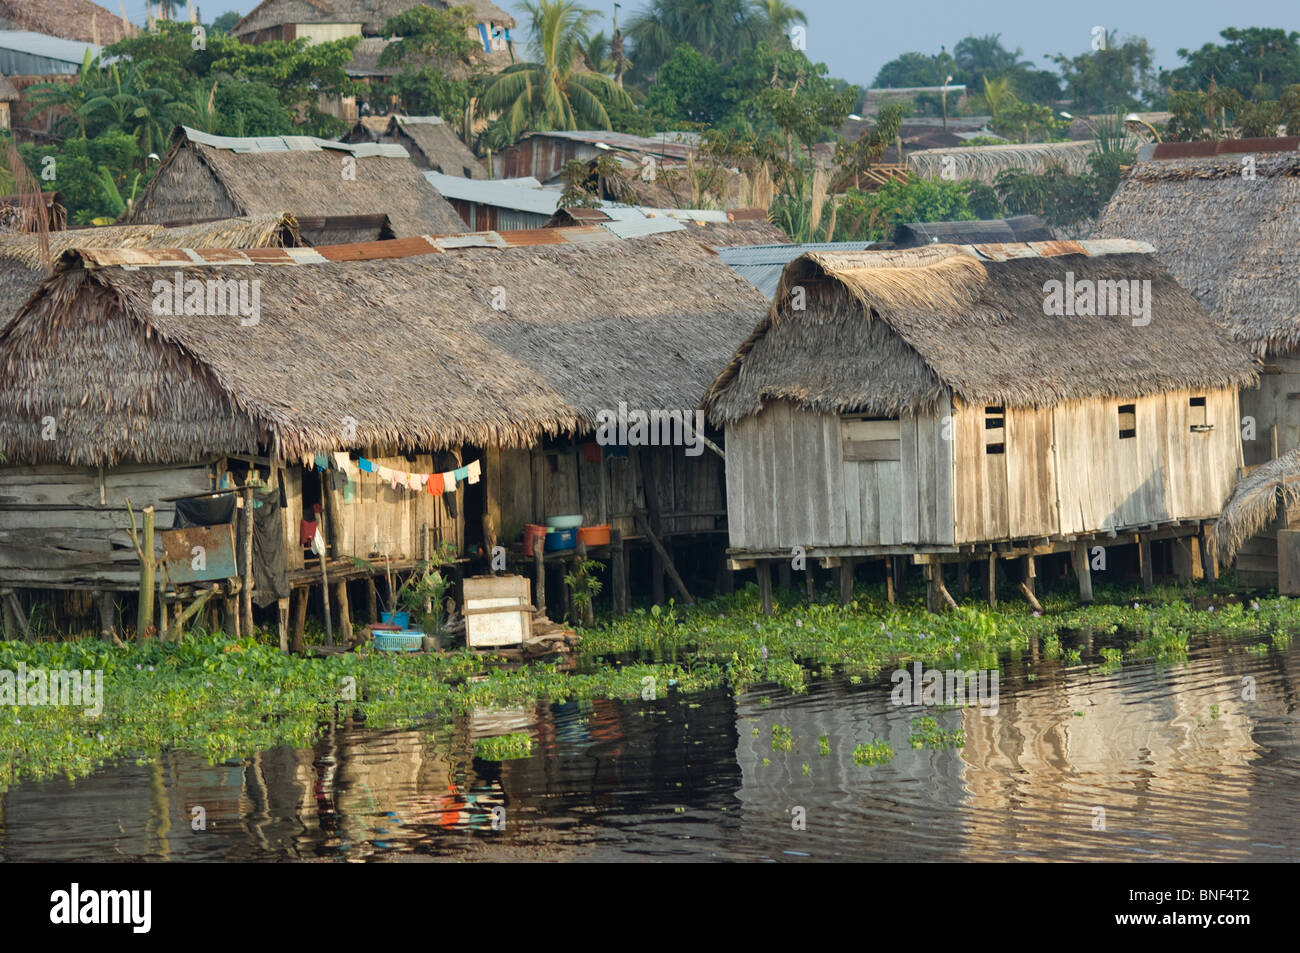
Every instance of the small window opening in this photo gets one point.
(1127, 421)
(1196, 412)
(995, 429)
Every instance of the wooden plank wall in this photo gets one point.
(67, 527)
(381, 520)
(1274, 410)
(788, 483)
(1101, 481)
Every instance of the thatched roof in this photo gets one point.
(1234, 242)
(1254, 502)
(78, 20)
(22, 268)
(404, 352)
(208, 176)
(888, 332)
(433, 144)
(371, 14)
(983, 163)
(997, 231)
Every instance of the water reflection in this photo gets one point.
(1146, 763)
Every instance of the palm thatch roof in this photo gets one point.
(206, 176)
(371, 14)
(78, 20)
(888, 332)
(983, 163)
(1231, 239)
(431, 142)
(23, 267)
(383, 346)
(1254, 502)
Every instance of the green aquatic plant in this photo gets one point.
(926, 733)
(875, 752)
(504, 747)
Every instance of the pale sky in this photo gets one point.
(855, 38)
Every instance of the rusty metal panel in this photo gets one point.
(200, 553)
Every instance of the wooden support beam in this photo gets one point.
(1209, 563)
(810, 582)
(1083, 570)
(195, 607)
(764, 572)
(1187, 559)
(1028, 592)
(618, 581)
(345, 611)
(847, 566)
(992, 581)
(15, 609)
(372, 600)
(1029, 573)
(301, 597)
(644, 526)
(107, 619)
(246, 593)
(539, 577)
(1144, 558)
(282, 617)
(937, 595)
(889, 580)
(144, 614)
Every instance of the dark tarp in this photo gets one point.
(270, 563)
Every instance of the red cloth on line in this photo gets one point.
(306, 532)
(434, 486)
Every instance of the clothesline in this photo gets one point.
(435, 484)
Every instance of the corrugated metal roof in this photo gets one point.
(677, 144)
(524, 194)
(244, 144)
(361, 251)
(761, 265)
(51, 47)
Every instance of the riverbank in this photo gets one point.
(223, 699)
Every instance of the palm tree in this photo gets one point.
(554, 91)
(719, 29)
(777, 17)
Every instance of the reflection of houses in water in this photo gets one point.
(1142, 752)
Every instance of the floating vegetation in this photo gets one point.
(926, 733)
(782, 739)
(504, 747)
(824, 745)
(877, 752)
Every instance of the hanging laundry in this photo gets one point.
(318, 544)
(306, 530)
(385, 473)
(449, 481)
(365, 465)
(322, 462)
(475, 471)
(462, 473)
(434, 486)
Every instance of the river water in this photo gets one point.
(1151, 762)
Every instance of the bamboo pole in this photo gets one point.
(246, 593)
(144, 615)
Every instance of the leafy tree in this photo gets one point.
(224, 23)
(981, 58)
(552, 92)
(1222, 113)
(431, 37)
(856, 157)
(917, 69)
(84, 170)
(688, 88)
(719, 29)
(1119, 75)
(1256, 62)
(1026, 122)
(776, 19)
(872, 216)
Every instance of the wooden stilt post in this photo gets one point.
(993, 580)
(104, 603)
(144, 614)
(1083, 570)
(1187, 559)
(246, 593)
(618, 582)
(1209, 562)
(230, 610)
(726, 577)
(345, 611)
(667, 559)
(1144, 558)
(657, 590)
(372, 599)
(539, 577)
(963, 578)
(1029, 573)
(810, 583)
(302, 596)
(889, 580)
(846, 580)
(282, 615)
(931, 590)
(900, 577)
(763, 570)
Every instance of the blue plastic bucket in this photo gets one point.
(397, 618)
(561, 539)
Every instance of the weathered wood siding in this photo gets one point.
(384, 521)
(68, 528)
(1275, 407)
(1066, 470)
(788, 483)
(534, 484)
